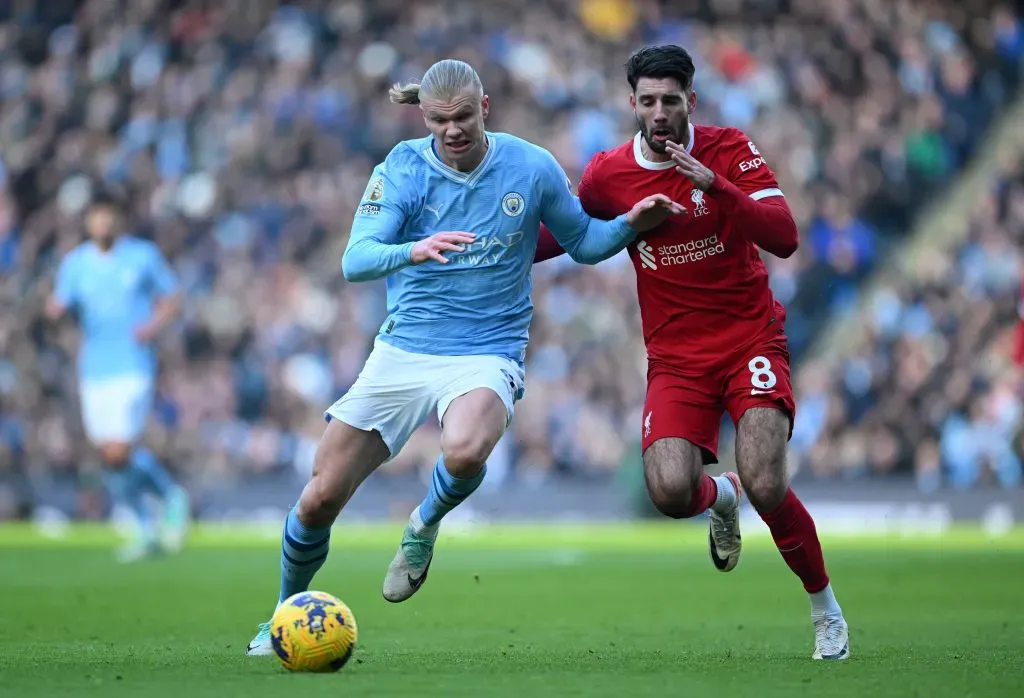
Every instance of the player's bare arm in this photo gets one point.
(54, 308)
(165, 310)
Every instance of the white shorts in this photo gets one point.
(114, 410)
(397, 390)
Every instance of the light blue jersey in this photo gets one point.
(114, 294)
(478, 303)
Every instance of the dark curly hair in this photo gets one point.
(666, 61)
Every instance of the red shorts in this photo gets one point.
(690, 406)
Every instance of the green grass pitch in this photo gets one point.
(626, 610)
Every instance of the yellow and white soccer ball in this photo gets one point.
(313, 631)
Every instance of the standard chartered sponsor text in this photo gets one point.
(691, 251)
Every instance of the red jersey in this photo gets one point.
(703, 289)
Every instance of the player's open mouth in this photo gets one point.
(458, 146)
(661, 134)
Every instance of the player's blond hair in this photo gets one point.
(444, 81)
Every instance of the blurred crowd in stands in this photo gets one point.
(935, 380)
(241, 134)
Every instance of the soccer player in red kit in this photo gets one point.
(715, 335)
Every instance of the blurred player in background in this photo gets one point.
(452, 220)
(715, 334)
(124, 293)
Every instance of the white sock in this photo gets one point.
(727, 495)
(823, 603)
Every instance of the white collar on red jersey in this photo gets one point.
(638, 153)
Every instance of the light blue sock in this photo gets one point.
(152, 472)
(446, 492)
(303, 553)
(126, 487)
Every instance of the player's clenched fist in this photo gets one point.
(652, 211)
(434, 246)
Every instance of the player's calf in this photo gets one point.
(761, 437)
(126, 488)
(344, 458)
(472, 425)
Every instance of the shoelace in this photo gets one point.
(833, 631)
(417, 549)
(722, 526)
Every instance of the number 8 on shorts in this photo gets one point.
(761, 375)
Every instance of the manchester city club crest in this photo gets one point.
(513, 204)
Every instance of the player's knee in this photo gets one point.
(320, 503)
(766, 487)
(115, 455)
(465, 453)
(672, 492)
(325, 494)
(472, 425)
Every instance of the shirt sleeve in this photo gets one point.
(65, 288)
(373, 249)
(165, 281)
(587, 240)
(589, 191)
(590, 199)
(746, 189)
(748, 169)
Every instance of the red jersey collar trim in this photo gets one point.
(638, 153)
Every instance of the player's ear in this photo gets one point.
(691, 101)
(632, 101)
(485, 105)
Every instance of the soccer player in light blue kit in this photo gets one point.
(452, 221)
(124, 293)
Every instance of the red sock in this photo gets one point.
(796, 538)
(704, 497)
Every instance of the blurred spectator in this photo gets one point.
(242, 133)
(935, 383)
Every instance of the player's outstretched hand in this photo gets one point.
(690, 167)
(437, 244)
(652, 211)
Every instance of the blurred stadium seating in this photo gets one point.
(242, 133)
(933, 381)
